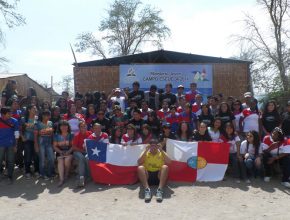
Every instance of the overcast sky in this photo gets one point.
(41, 47)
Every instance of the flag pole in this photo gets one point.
(72, 50)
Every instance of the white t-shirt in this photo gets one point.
(233, 144)
(251, 120)
(74, 125)
(121, 100)
(215, 136)
(237, 121)
(251, 149)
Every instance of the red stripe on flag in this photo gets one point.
(181, 172)
(214, 152)
(111, 174)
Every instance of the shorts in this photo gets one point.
(153, 178)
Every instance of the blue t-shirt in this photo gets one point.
(7, 129)
(29, 129)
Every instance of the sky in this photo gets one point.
(41, 47)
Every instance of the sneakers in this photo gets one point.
(28, 176)
(159, 195)
(286, 184)
(81, 181)
(147, 195)
(36, 174)
(238, 181)
(267, 179)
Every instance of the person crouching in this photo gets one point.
(153, 169)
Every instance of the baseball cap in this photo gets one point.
(248, 94)
(166, 125)
(117, 90)
(180, 86)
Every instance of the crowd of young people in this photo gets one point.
(35, 135)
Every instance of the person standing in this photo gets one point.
(9, 134)
(168, 95)
(136, 94)
(152, 97)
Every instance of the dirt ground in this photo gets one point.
(40, 199)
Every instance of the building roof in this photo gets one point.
(8, 75)
(159, 56)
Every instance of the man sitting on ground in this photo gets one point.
(153, 169)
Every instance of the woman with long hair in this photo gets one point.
(201, 134)
(116, 135)
(146, 134)
(215, 131)
(154, 123)
(184, 133)
(30, 151)
(43, 135)
(90, 115)
(270, 117)
(251, 155)
(237, 109)
(131, 137)
(205, 116)
(225, 114)
(62, 145)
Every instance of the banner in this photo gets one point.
(160, 74)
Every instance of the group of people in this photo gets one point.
(36, 134)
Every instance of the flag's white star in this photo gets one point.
(96, 151)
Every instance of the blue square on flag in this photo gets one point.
(97, 151)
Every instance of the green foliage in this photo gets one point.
(126, 28)
(269, 45)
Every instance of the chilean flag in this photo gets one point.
(191, 161)
(197, 161)
(113, 163)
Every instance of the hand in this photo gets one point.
(160, 147)
(240, 157)
(247, 155)
(147, 147)
(67, 153)
(42, 132)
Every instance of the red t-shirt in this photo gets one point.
(79, 138)
(102, 138)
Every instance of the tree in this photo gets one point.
(66, 84)
(127, 27)
(11, 19)
(270, 48)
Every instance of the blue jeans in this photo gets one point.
(234, 162)
(29, 155)
(45, 149)
(251, 167)
(10, 157)
(82, 163)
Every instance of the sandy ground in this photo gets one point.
(40, 199)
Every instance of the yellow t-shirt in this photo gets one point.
(153, 162)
